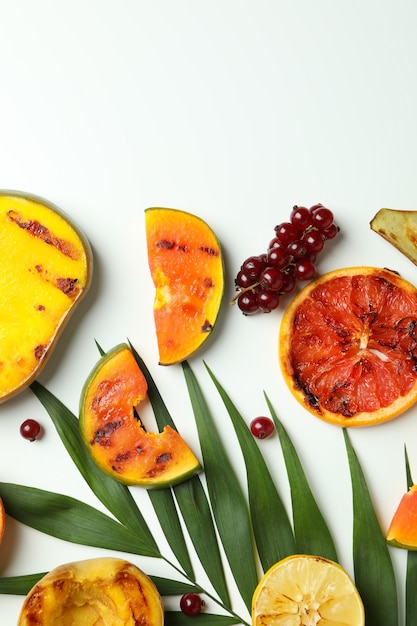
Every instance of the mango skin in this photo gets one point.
(103, 590)
(45, 272)
(117, 440)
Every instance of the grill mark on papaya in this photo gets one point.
(206, 327)
(165, 244)
(208, 250)
(103, 434)
(164, 457)
(36, 229)
(160, 465)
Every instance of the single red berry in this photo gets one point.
(247, 303)
(262, 427)
(30, 429)
(191, 604)
(301, 217)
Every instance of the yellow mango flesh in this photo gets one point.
(100, 591)
(44, 272)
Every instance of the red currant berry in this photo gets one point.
(253, 266)
(243, 280)
(296, 249)
(30, 429)
(304, 270)
(271, 279)
(301, 218)
(315, 207)
(313, 241)
(191, 604)
(331, 232)
(247, 303)
(262, 427)
(267, 300)
(286, 232)
(289, 283)
(277, 257)
(322, 218)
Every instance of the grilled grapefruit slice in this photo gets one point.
(348, 346)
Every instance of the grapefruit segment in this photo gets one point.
(348, 346)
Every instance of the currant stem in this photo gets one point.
(244, 290)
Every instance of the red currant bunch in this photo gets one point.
(291, 256)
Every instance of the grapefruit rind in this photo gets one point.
(304, 393)
(307, 588)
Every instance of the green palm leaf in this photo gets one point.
(19, 585)
(167, 514)
(69, 519)
(374, 574)
(176, 618)
(411, 567)
(167, 587)
(312, 535)
(116, 497)
(266, 507)
(194, 507)
(195, 511)
(228, 502)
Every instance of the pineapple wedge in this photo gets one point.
(399, 228)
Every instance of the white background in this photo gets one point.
(233, 110)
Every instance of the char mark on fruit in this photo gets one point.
(165, 244)
(209, 251)
(338, 402)
(39, 352)
(122, 456)
(207, 327)
(68, 286)
(160, 464)
(102, 435)
(164, 457)
(36, 229)
(311, 399)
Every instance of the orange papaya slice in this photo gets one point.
(45, 271)
(114, 434)
(186, 264)
(402, 532)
